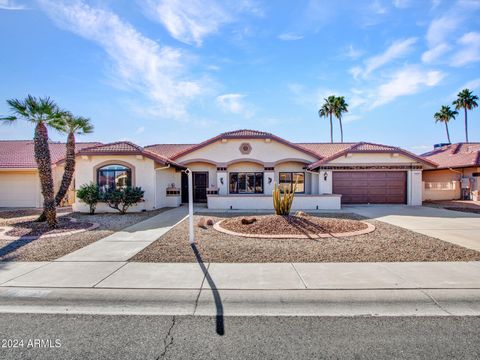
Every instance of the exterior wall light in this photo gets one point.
(269, 180)
(221, 180)
(325, 176)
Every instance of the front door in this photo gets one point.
(200, 184)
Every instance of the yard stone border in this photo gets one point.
(6, 228)
(370, 228)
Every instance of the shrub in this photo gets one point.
(283, 204)
(122, 199)
(90, 195)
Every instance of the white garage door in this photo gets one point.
(19, 190)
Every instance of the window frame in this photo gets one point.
(257, 175)
(292, 181)
(102, 169)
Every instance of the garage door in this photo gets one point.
(19, 190)
(371, 187)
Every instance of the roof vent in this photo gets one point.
(440, 145)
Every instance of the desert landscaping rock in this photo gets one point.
(51, 248)
(32, 229)
(292, 227)
(387, 243)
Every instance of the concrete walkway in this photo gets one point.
(315, 289)
(459, 228)
(124, 244)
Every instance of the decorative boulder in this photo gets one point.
(209, 222)
(248, 221)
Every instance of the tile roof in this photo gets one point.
(127, 148)
(19, 154)
(455, 155)
(168, 150)
(246, 133)
(325, 149)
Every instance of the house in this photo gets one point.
(457, 164)
(238, 170)
(19, 181)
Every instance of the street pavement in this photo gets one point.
(187, 337)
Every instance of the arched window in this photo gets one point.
(111, 177)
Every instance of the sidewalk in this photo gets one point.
(286, 289)
(123, 244)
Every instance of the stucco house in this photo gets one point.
(233, 170)
(238, 169)
(458, 167)
(19, 181)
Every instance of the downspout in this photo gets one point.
(155, 183)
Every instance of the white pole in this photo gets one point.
(191, 237)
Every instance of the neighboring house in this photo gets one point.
(238, 169)
(455, 162)
(19, 181)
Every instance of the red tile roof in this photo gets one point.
(168, 150)
(19, 154)
(455, 155)
(128, 148)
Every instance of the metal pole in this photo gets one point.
(191, 235)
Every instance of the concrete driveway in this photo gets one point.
(453, 226)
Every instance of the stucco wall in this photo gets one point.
(164, 179)
(143, 175)
(20, 189)
(448, 175)
(373, 158)
(210, 168)
(267, 152)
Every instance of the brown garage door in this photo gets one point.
(371, 187)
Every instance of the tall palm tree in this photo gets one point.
(466, 101)
(445, 115)
(72, 125)
(327, 110)
(43, 113)
(340, 107)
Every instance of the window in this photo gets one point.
(114, 177)
(246, 183)
(286, 180)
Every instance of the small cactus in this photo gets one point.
(283, 205)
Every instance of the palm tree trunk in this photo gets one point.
(331, 128)
(448, 134)
(42, 157)
(69, 169)
(466, 125)
(341, 129)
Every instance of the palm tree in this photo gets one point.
(466, 101)
(42, 112)
(340, 107)
(445, 115)
(72, 125)
(327, 110)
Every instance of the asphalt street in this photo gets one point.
(197, 337)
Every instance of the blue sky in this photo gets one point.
(155, 71)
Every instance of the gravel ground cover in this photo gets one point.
(34, 228)
(12, 215)
(291, 225)
(387, 243)
(47, 249)
(456, 205)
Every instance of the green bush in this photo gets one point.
(90, 195)
(122, 199)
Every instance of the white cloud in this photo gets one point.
(235, 104)
(401, 4)
(11, 5)
(378, 8)
(289, 37)
(138, 63)
(353, 53)
(396, 50)
(441, 27)
(472, 85)
(140, 130)
(407, 81)
(190, 21)
(435, 52)
(469, 51)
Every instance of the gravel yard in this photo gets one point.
(387, 243)
(456, 205)
(47, 249)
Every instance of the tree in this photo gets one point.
(72, 125)
(445, 115)
(122, 199)
(327, 110)
(466, 101)
(43, 113)
(340, 107)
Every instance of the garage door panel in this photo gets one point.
(19, 189)
(375, 187)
